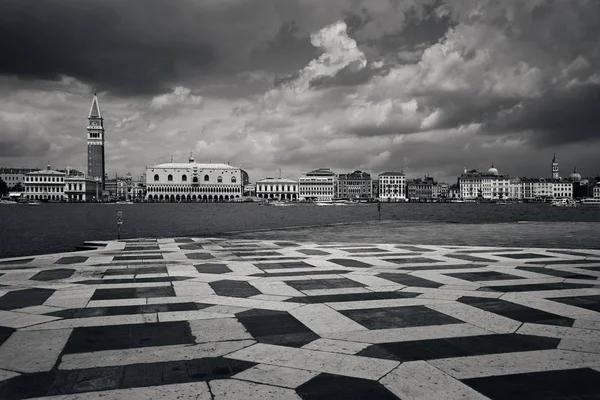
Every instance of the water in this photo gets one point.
(60, 227)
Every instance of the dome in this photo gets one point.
(575, 176)
(492, 170)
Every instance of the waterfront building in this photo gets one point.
(392, 186)
(277, 189)
(375, 187)
(490, 185)
(80, 189)
(355, 185)
(193, 181)
(15, 177)
(317, 185)
(95, 143)
(596, 190)
(250, 190)
(426, 189)
(543, 189)
(515, 189)
(46, 184)
(453, 192)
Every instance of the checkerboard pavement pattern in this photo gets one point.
(214, 318)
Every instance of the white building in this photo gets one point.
(596, 190)
(318, 185)
(79, 189)
(277, 188)
(46, 184)
(541, 189)
(489, 185)
(193, 181)
(515, 189)
(392, 186)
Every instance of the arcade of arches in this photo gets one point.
(187, 193)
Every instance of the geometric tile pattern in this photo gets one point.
(216, 318)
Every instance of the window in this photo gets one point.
(184, 178)
(220, 179)
(195, 179)
(233, 180)
(170, 178)
(206, 178)
(155, 177)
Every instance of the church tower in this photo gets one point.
(95, 143)
(555, 174)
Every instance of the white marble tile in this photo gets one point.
(553, 307)
(579, 345)
(360, 305)
(196, 289)
(225, 309)
(35, 351)
(333, 363)
(218, 330)
(418, 380)
(5, 375)
(16, 320)
(409, 334)
(276, 288)
(586, 324)
(520, 282)
(233, 389)
(116, 302)
(178, 391)
(475, 316)
(322, 319)
(275, 375)
(561, 332)
(369, 280)
(269, 297)
(336, 346)
(70, 298)
(515, 363)
(189, 315)
(94, 321)
(144, 355)
(249, 303)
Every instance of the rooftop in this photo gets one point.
(172, 165)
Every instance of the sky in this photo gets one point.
(424, 86)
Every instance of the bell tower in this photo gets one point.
(95, 143)
(555, 174)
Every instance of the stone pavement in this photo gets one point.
(239, 319)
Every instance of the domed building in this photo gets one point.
(493, 171)
(575, 176)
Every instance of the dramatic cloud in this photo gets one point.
(430, 87)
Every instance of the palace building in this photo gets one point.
(193, 182)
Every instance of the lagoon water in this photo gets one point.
(49, 228)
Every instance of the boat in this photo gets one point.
(591, 201)
(34, 203)
(322, 203)
(124, 202)
(7, 202)
(563, 203)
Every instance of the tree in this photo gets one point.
(19, 187)
(3, 187)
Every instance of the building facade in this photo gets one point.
(317, 185)
(392, 186)
(490, 185)
(95, 143)
(596, 190)
(355, 185)
(82, 189)
(426, 189)
(193, 181)
(15, 177)
(45, 185)
(277, 189)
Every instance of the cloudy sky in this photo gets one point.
(430, 87)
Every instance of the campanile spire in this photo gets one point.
(95, 142)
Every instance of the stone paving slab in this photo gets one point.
(218, 318)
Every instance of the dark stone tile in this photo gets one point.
(96, 379)
(516, 311)
(212, 268)
(71, 260)
(494, 251)
(483, 276)
(313, 252)
(191, 246)
(413, 260)
(136, 271)
(27, 386)
(573, 384)
(557, 273)
(283, 265)
(587, 302)
(133, 280)
(350, 263)
(276, 327)
(259, 253)
(467, 257)
(409, 280)
(352, 297)
(319, 272)
(535, 287)
(53, 274)
(5, 333)
(20, 261)
(125, 310)
(399, 317)
(199, 256)
(139, 375)
(355, 250)
(234, 288)
(24, 298)
(133, 258)
(413, 248)
(282, 258)
(565, 262)
(148, 248)
(311, 284)
(328, 387)
(440, 267)
(114, 337)
(184, 240)
(131, 293)
(459, 347)
(523, 256)
(286, 244)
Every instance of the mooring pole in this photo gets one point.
(119, 223)
(379, 210)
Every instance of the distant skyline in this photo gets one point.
(430, 87)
